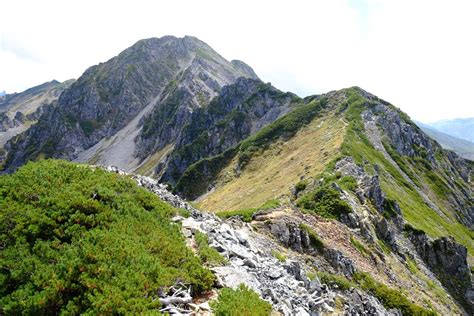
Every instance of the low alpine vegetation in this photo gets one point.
(207, 254)
(240, 302)
(389, 297)
(324, 201)
(80, 240)
(316, 242)
(247, 214)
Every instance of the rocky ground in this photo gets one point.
(251, 260)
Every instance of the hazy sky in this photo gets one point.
(419, 55)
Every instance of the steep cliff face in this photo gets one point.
(239, 111)
(106, 106)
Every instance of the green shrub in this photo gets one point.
(80, 240)
(333, 279)
(301, 186)
(324, 201)
(240, 302)
(348, 183)
(207, 254)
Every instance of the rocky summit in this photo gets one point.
(195, 188)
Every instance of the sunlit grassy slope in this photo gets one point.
(273, 170)
(271, 173)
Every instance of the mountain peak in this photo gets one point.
(129, 93)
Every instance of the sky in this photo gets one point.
(418, 55)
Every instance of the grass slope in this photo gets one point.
(270, 172)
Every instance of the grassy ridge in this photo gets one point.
(396, 187)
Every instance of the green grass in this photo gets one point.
(280, 257)
(332, 280)
(360, 247)
(208, 255)
(200, 174)
(385, 248)
(285, 126)
(390, 298)
(247, 214)
(240, 302)
(412, 266)
(80, 240)
(316, 242)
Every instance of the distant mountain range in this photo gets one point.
(2, 93)
(462, 147)
(462, 128)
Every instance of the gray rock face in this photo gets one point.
(368, 305)
(6, 122)
(238, 111)
(290, 235)
(448, 260)
(368, 186)
(18, 108)
(339, 262)
(408, 140)
(405, 137)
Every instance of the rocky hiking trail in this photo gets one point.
(251, 261)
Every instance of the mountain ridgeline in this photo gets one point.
(347, 184)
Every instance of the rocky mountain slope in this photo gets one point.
(106, 115)
(18, 111)
(342, 185)
(463, 148)
(353, 157)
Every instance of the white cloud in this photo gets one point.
(415, 54)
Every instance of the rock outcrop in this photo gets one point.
(285, 285)
(19, 110)
(448, 260)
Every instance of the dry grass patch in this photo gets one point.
(271, 173)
